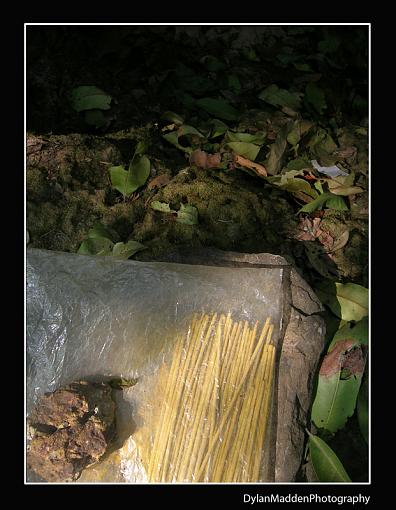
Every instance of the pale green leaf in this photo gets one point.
(341, 186)
(126, 250)
(126, 182)
(218, 129)
(299, 185)
(172, 117)
(257, 138)
(141, 148)
(187, 214)
(280, 97)
(337, 203)
(139, 171)
(185, 129)
(173, 138)
(348, 301)
(247, 150)
(99, 230)
(96, 246)
(89, 98)
(318, 203)
(161, 207)
(326, 464)
(335, 401)
(299, 164)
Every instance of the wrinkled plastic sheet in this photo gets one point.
(95, 318)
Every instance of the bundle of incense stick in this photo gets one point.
(215, 403)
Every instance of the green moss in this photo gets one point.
(236, 211)
(231, 216)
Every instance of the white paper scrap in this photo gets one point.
(331, 171)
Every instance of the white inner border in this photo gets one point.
(24, 208)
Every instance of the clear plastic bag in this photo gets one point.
(191, 335)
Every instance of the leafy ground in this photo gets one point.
(145, 138)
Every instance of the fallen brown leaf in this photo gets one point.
(309, 229)
(347, 152)
(258, 169)
(213, 160)
(326, 240)
(333, 361)
(158, 182)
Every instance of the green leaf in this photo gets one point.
(119, 179)
(121, 382)
(362, 409)
(315, 97)
(299, 164)
(172, 117)
(218, 129)
(319, 187)
(318, 203)
(218, 108)
(284, 177)
(173, 138)
(138, 172)
(331, 201)
(343, 186)
(96, 246)
(187, 214)
(161, 207)
(126, 250)
(338, 385)
(141, 148)
(299, 185)
(300, 127)
(257, 138)
(247, 150)
(337, 203)
(347, 301)
(126, 182)
(99, 230)
(89, 98)
(327, 465)
(280, 97)
(185, 129)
